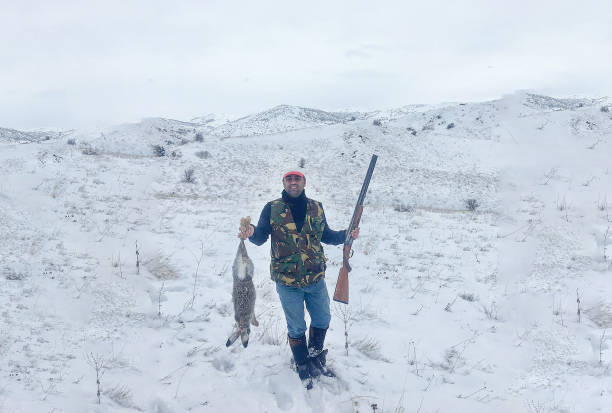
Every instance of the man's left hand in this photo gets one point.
(355, 233)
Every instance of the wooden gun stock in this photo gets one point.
(342, 286)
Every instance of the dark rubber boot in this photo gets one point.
(316, 337)
(316, 354)
(300, 355)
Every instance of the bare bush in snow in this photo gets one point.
(137, 259)
(369, 347)
(606, 238)
(14, 272)
(561, 204)
(399, 206)
(89, 150)
(452, 359)
(449, 305)
(203, 154)
(471, 297)
(159, 298)
(159, 150)
(121, 395)
(536, 407)
(189, 176)
(602, 204)
(600, 314)
(471, 204)
(490, 311)
(558, 310)
(271, 331)
(579, 308)
(344, 313)
(98, 363)
(160, 267)
(602, 341)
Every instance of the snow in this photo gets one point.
(450, 309)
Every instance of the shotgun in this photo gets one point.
(342, 285)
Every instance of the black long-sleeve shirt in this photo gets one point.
(298, 211)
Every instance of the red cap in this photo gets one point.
(293, 173)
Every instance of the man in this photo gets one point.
(297, 227)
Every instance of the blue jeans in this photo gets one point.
(317, 303)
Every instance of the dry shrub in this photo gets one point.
(121, 395)
(271, 331)
(160, 267)
(369, 347)
(600, 314)
(471, 297)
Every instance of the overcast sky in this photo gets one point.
(69, 64)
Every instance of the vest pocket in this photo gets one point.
(287, 266)
(315, 267)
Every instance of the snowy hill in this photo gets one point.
(545, 103)
(13, 135)
(480, 282)
(138, 139)
(283, 118)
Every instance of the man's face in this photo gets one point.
(294, 185)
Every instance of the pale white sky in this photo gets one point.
(83, 63)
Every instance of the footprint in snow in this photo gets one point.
(223, 364)
(277, 386)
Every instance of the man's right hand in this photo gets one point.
(246, 230)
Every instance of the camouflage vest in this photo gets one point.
(297, 257)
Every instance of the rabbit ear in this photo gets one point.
(254, 321)
(235, 334)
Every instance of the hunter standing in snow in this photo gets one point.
(297, 227)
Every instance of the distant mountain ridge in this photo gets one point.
(279, 119)
(283, 118)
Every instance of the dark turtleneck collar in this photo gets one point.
(293, 201)
(297, 206)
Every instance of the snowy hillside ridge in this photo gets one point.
(13, 135)
(283, 118)
(152, 127)
(139, 139)
(408, 110)
(541, 102)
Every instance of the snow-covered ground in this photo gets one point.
(451, 309)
